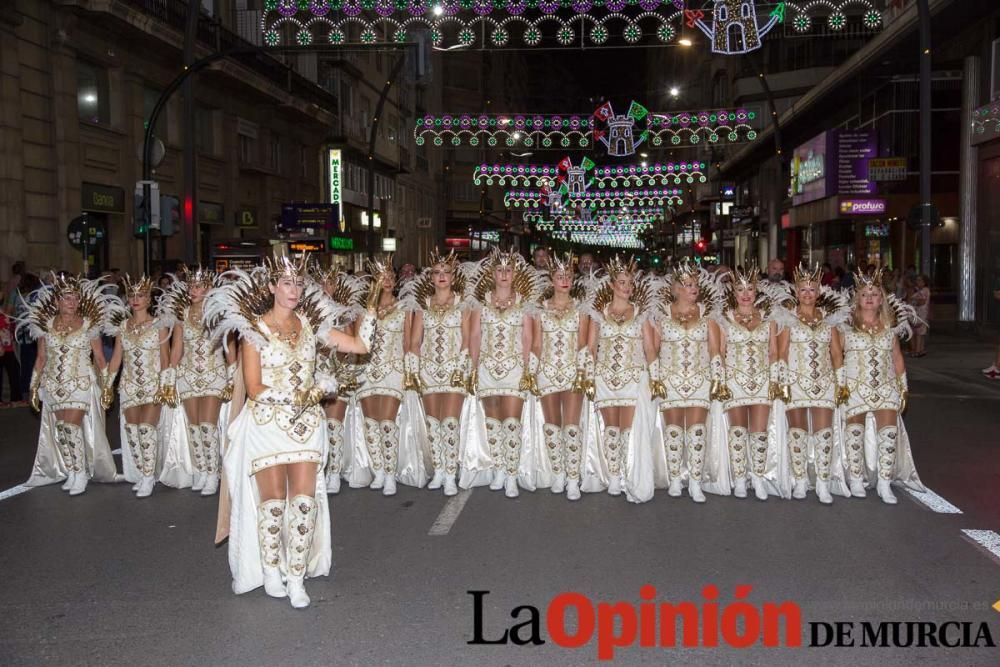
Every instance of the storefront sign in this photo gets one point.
(210, 214)
(336, 164)
(887, 169)
(307, 246)
(246, 217)
(342, 243)
(101, 198)
(862, 206)
(309, 216)
(832, 163)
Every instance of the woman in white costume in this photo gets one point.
(203, 370)
(381, 390)
(500, 332)
(618, 305)
(438, 360)
(810, 346)
(752, 374)
(279, 526)
(875, 377)
(348, 292)
(67, 319)
(561, 339)
(684, 373)
(142, 350)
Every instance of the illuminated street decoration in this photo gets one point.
(733, 26)
(575, 131)
(597, 198)
(986, 123)
(604, 177)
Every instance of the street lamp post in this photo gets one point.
(924, 12)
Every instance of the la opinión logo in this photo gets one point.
(572, 620)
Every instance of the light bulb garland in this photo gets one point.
(605, 177)
(986, 122)
(598, 198)
(574, 131)
(490, 24)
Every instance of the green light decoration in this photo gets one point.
(500, 24)
(598, 198)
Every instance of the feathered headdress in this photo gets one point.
(709, 295)
(683, 270)
(802, 274)
(381, 266)
(142, 285)
(562, 264)
(526, 281)
(451, 259)
(66, 283)
(282, 266)
(618, 265)
(871, 278)
(745, 278)
(200, 276)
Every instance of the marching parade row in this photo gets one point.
(287, 380)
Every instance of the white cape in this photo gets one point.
(474, 458)
(413, 460)
(49, 467)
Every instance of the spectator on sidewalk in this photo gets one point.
(8, 360)
(921, 302)
(775, 271)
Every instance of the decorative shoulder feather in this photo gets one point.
(102, 311)
(243, 298)
(710, 297)
(416, 293)
(902, 316)
(527, 283)
(834, 305)
(350, 292)
(599, 294)
(174, 302)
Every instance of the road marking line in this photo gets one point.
(449, 514)
(933, 501)
(14, 491)
(987, 539)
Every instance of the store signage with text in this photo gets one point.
(862, 206)
(336, 184)
(832, 163)
(887, 169)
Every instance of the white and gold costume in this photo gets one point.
(810, 377)
(441, 362)
(557, 365)
(872, 385)
(283, 424)
(620, 367)
(201, 372)
(683, 374)
(502, 370)
(69, 381)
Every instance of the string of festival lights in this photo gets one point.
(604, 177)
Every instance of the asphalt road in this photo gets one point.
(108, 579)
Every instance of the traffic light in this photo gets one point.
(700, 246)
(140, 219)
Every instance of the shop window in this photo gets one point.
(92, 93)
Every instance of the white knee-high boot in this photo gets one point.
(797, 445)
(854, 436)
(495, 441)
(147, 453)
(74, 436)
(554, 447)
(390, 454)
(512, 454)
(886, 463)
(674, 444)
(694, 440)
(301, 530)
(270, 523)
(210, 446)
(197, 457)
(373, 441)
(434, 438)
(737, 457)
(335, 458)
(823, 446)
(449, 452)
(758, 458)
(571, 461)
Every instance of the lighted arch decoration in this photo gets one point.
(596, 199)
(583, 131)
(605, 177)
(496, 24)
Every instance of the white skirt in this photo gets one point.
(751, 391)
(212, 382)
(494, 385)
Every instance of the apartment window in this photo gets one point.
(274, 154)
(204, 130)
(92, 93)
(149, 99)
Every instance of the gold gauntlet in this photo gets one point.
(719, 391)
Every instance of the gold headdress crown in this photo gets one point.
(871, 278)
(683, 269)
(141, 285)
(802, 273)
(503, 259)
(747, 278)
(378, 267)
(323, 275)
(200, 276)
(618, 266)
(451, 259)
(562, 264)
(66, 283)
(282, 266)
